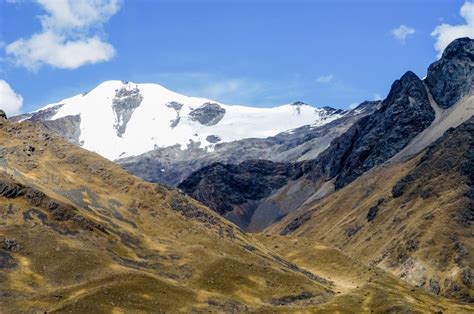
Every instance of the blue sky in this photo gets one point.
(260, 53)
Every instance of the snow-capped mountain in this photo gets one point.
(120, 119)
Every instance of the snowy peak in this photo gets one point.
(120, 119)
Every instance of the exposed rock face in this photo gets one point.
(446, 166)
(124, 104)
(374, 139)
(177, 107)
(451, 78)
(68, 127)
(37, 116)
(3, 115)
(208, 114)
(213, 139)
(172, 165)
(224, 187)
(454, 152)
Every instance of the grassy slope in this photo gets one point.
(118, 244)
(423, 236)
(149, 248)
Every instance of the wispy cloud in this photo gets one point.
(10, 101)
(402, 32)
(325, 78)
(446, 33)
(68, 38)
(377, 96)
(232, 90)
(353, 105)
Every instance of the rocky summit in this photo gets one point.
(450, 78)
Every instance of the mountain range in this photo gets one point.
(285, 209)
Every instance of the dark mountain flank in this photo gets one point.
(374, 139)
(409, 111)
(451, 78)
(371, 141)
(227, 187)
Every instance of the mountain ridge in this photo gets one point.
(371, 141)
(136, 118)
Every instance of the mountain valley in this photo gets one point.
(133, 198)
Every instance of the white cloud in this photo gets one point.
(10, 102)
(58, 51)
(446, 33)
(67, 39)
(402, 32)
(68, 15)
(325, 78)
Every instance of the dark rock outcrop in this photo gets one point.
(41, 115)
(207, 114)
(68, 127)
(177, 107)
(224, 186)
(451, 78)
(213, 139)
(453, 152)
(11, 190)
(124, 104)
(10, 245)
(3, 115)
(374, 139)
(374, 210)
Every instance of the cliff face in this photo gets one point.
(451, 78)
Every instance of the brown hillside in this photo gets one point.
(78, 234)
(413, 219)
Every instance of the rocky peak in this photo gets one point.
(452, 77)
(374, 139)
(409, 85)
(461, 48)
(3, 115)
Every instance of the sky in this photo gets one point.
(251, 52)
